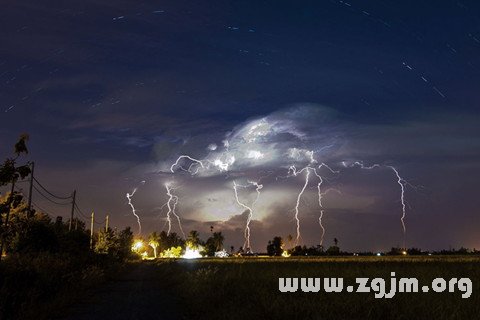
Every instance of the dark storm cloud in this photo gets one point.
(112, 92)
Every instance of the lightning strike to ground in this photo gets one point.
(320, 198)
(401, 182)
(294, 172)
(172, 205)
(258, 187)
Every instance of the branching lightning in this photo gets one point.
(172, 205)
(297, 219)
(134, 212)
(260, 146)
(225, 160)
(292, 171)
(320, 198)
(402, 183)
(190, 167)
(251, 152)
(172, 201)
(258, 187)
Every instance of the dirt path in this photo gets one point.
(139, 294)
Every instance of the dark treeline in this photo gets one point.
(276, 247)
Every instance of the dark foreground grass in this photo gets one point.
(243, 288)
(41, 286)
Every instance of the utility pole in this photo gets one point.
(91, 230)
(4, 233)
(73, 209)
(30, 194)
(106, 223)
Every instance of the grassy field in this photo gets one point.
(247, 288)
(38, 286)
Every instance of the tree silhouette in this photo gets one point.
(10, 173)
(125, 242)
(193, 239)
(214, 243)
(334, 250)
(275, 246)
(218, 239)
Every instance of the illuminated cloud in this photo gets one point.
(284, 138)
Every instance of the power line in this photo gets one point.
(46, 197)
(84, 215)
(46, 190)
(51, 215)
(46, 194)
(81, 212)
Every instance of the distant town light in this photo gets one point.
(285, 254)
(221, 254)
(191, 253)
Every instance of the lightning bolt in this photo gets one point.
(194, 162)
(129, 197)
(293, 171)
(320, 198)
(193, 169)
(172, 201)
(247, 228)
(401, 182)
(222, 163)
(172, 205)
(258, 187)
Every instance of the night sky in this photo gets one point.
(113, 92)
